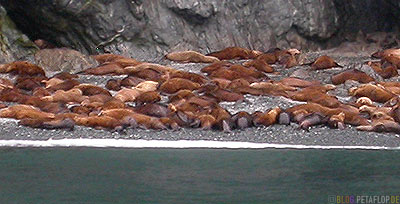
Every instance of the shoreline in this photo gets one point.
(164, 144)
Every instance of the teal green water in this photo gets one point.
(90, 175)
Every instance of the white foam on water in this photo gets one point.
(121, 143)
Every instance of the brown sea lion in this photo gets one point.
(48, 124)
(259, 64)
(215, 66)
(24, 111)
(43, 44)
(148, 97)
(66, 85)
(106, 69)
(113, 85)
(375, 92)
(65, 76)
(23, 68)
(267, 118)
(131, 81)
(323, 62)
(381, 126)
(181, 94)
(105, 58)
(90, 89)
(235, 53)
(174, 85)
(98, 122)
(352, 74)
(189, 76)
(296, 82)
(52, 82)
(190, 56)
(337, 121)
(126, 95)
(72, 95)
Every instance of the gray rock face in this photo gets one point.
(63, 59)
(14, 45)
(149, 29)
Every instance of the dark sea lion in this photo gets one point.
(113, 85)
(242, 120)
(312, 119)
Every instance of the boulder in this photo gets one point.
(63, 59)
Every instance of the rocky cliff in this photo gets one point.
(148, 29)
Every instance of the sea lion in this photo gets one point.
(181, 94)
(28, 83)
(385, 72)
(190, 56)
(148, 97)
(106, 58)
(242, 120)
(23, 68)
(43, 44)
(259, 64)
(153, 109)
(337, 121)
(126, 94)
(131, 81)
(52, 82)
(72, 95)
(66, 85)
(98, 122)
(66, 123)
(215, 66)
(126, 62)
(40, 92)
(323, 62)
(24, 111)
(235, 53)
(189, 76)
(113, 85)
(352, 74)
(90, 89)
(142, 120)
(375, 92)
(207, 121)
(296, 82)
(312, 119)
(174, 85)
(65, 76)
(106, 69)
(351, 117)
(381, 126)
(267, 118)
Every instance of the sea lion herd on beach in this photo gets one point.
(193, 100)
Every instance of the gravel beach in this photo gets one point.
(276, 134)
